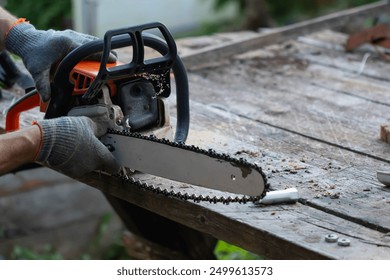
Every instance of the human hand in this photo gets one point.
(40, 50)
(70, 145)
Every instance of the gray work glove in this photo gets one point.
(70, 145)
(40, 50)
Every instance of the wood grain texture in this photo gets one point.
(279, 35)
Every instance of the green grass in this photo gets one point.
(226, 251)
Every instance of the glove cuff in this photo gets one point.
(53, 151)
(19, 37)
(18, 21)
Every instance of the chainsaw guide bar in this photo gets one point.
(240, 189)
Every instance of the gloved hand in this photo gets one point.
(70, 145)
(41, 49)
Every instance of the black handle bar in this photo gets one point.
(62, 88)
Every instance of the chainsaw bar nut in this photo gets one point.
(331, 238)
(344, 242)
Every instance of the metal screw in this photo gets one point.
(331, 238)
(345, 242)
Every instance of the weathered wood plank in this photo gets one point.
(328, 177)
(295, 105)
(295, 162)
(279, 232)
(234, 96)
(284, 91)
(282, 34)
(327, 48)
(323, 53)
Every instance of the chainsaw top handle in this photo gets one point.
(113, 39)
(62, 87)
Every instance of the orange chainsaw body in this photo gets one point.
(81, 76)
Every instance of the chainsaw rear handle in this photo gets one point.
(62, 88)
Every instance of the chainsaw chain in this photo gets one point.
(194, 197)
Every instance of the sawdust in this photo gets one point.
(324, 190)
(203, 138)
(247, 152)
(279, 63)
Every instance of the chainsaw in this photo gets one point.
(133, 98)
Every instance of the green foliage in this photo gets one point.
(220, 4)
(115, 251)
(44, 14)
(285, 12)
(226, 251)
(48, 253)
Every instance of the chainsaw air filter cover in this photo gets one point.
(139, 104)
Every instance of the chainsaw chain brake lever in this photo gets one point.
(113, 39)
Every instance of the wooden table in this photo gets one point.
(307, 112)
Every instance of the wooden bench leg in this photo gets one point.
(140, 248)
(165, 236)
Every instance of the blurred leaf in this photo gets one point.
(22, 253)
(286, 12)
(220, 4)
(43, 14)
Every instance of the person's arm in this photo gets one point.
(67, 144)
(6, 22)
(18, 148)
